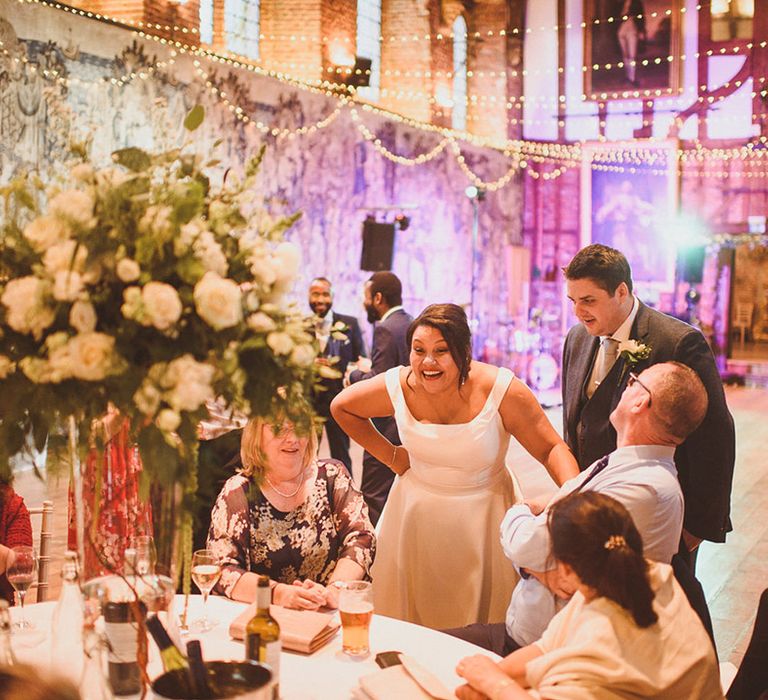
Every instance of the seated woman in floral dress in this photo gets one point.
(292, 517)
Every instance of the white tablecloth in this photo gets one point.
(328, 674)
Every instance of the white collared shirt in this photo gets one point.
(643, 478)
(390, 312)
(621, 335)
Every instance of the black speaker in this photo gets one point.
(691, 262)
(378, 246)
(361, 73)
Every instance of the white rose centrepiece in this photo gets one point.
(147, 289)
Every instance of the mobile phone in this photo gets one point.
(384, 659)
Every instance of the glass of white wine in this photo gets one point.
(21, 575)
(146, 555)
(206, 570)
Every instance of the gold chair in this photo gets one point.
(742, 320)
(43, 548)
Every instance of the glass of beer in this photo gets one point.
(356, 611)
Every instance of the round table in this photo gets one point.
(328, 674)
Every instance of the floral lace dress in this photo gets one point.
(248, 533)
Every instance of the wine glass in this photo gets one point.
(206, 570)
(146, 555)
(21, 575)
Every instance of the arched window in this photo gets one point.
(206, 21)
(368, 44)
(459, 112)
(241, 27)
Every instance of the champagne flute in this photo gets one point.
(206, 570)
(21, 575)
(146, 555)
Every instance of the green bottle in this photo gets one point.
(262, 634)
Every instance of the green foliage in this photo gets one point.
(143, 286)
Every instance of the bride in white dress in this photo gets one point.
(439, 562)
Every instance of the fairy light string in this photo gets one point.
(562, 156)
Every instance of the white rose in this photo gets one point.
(162, 305)
(75, 207)
(46, 231)
(281, 343)
(107, 178)
(218, 301)
(6, 366)
(59, 360)
(303, 355)
(83, 172)
(25, 298)
(92, 356)
(190, 383)
(82, 316)
(67, 285)
(132, 307)
(147, 399)
(36, 369)
(187, 235)
(263, 270)
(209, 252)
(261, 323)
(62, 256)
(287, 261)
(127, 270)
(168, 420)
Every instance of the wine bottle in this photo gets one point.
(262, 634)
(67, 623)
(170, 654)
(6, 650)
(198, 674)
(122, 634)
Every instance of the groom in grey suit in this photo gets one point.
(597, 362)
(384, 305)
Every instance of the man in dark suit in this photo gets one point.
(598, 357)
(339, 337)
(384, 305)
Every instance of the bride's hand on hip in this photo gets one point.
(401, 461)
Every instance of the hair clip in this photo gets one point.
(615, 542)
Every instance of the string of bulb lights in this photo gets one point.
(563, 156)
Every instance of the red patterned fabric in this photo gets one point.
(15, 530)
(122, 515)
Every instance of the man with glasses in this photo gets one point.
(596, 369)
(657, 411)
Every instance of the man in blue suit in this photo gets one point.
(384, 305)
(329, 326)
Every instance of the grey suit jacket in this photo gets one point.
(704, 461)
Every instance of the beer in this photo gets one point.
(355, 625)
(355, 611)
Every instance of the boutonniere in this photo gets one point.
(632, 352)
(339, 331)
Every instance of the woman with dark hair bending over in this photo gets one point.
(627, 632)
(439, 561)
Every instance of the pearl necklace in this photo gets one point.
(286, 495)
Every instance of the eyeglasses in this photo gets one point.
(634, 378)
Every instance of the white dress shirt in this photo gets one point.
(621, 335)
(641, 477)
(390, 312)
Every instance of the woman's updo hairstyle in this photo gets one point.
(451, 321)
(595, 535)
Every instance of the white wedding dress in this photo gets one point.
(439, 562)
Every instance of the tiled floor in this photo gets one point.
(733, 574)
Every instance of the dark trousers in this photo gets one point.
(751, 681)
(493, 637)
(377, 477)
(692, 589)
(338, 442)
(377, 481)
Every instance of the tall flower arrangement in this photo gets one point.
(143, 285)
